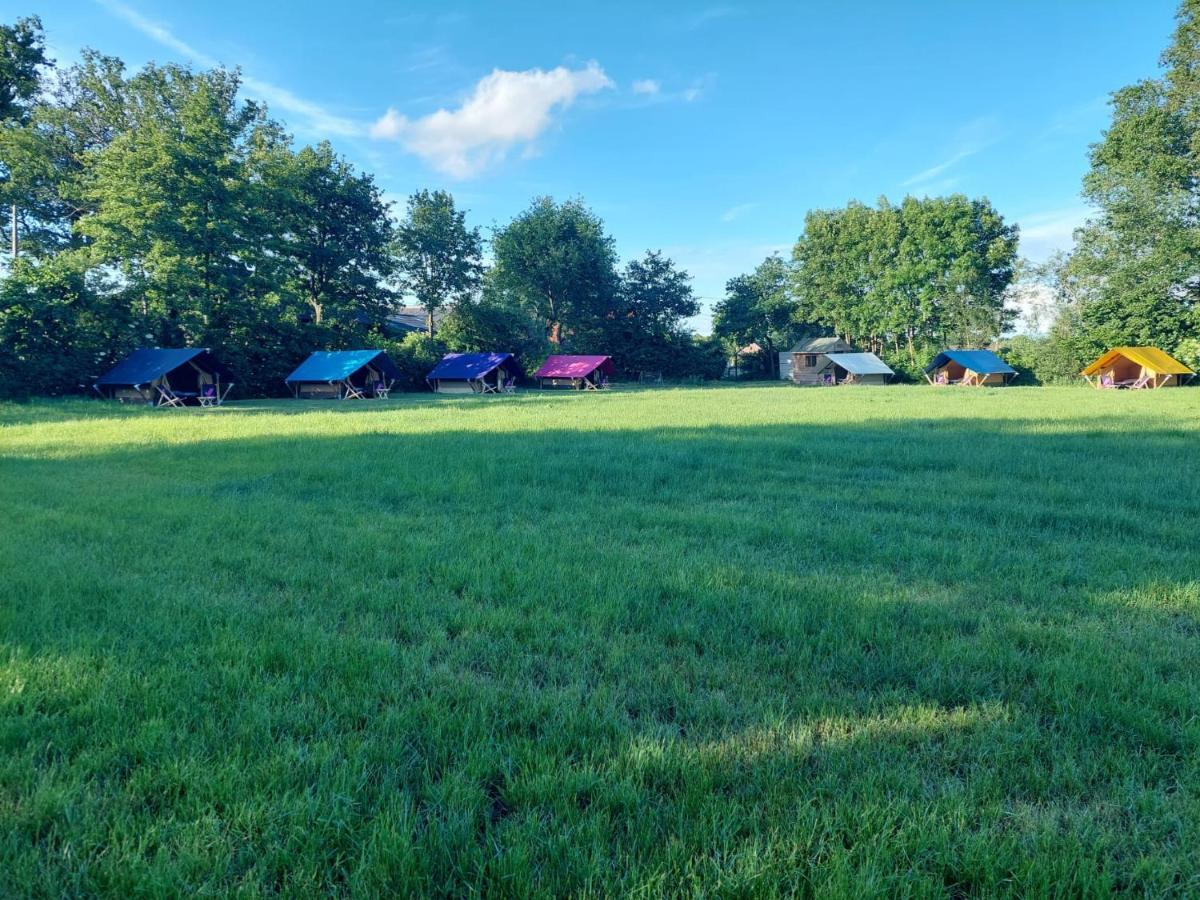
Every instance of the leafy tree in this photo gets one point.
(167, 194)
(556, 261)
(929, 271)
(45, 156)
(22, 56)
(329, 227)
(440, 259)
(644, 330)
(1137, 257)
(758, 308)
(492, 323)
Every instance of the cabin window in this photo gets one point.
(810, 360)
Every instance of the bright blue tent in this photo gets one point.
(183, 371)
(971, 366)
(341, 371)
(472, 371)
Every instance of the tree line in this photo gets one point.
(904, 280)
(157, 208)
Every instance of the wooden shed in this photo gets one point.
(806, 359)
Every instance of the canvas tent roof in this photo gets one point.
(860, 363)
(1150, 358)
(146, 365)
(984, 362)
(573, 366)
(470, 366)
(338, 365)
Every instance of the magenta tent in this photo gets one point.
(589, 373)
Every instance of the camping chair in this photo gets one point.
(1107, 382)
(208, 396)
(485, 388)
(943, 378)
(167, 397)
(381, 389)
(602, 385)
(510, 385)
(1143, 381)
(828, 379)
(352, 392)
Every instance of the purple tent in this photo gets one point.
(578, 371)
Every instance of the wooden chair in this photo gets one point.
(509, 386)
(381, 389)
(353, 393)
(167, 397)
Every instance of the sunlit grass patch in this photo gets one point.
(754, 639)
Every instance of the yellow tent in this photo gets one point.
(1136, 367)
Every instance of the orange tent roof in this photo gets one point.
(1149, 358)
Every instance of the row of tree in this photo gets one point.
(159, 208)
(903, 280)
(892, 279)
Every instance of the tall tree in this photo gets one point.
(556, 261)
(758, 308)
(167, 194)
(331, 230)
(644, 330)
(440, 259)
(22, 56)
(1139, 258)
(932, 270)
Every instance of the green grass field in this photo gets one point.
(740, 640)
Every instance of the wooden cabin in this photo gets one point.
(806, 361)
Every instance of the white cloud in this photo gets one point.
(976, 135)
(646, 86)
(314, 118)
(504, 109)
(736, 212)
(1045, 232)
(933, 172)
(707, 16)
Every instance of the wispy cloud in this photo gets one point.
(708, 16)
(313, 117)
(1043, 233)
(970, 139)
(505, 109)
(736, 212)
(646, 86)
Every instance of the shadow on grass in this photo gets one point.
(940, 656)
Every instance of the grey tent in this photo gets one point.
(855, 368)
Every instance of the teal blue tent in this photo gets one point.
(343, 374)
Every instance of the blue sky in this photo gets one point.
(703, 130)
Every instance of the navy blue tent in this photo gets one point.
(972, 367)
(344, 374)
(156, 375)
(481, 373)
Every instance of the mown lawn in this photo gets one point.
(738, 640)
